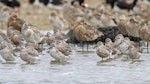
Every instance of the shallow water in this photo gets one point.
(82, 68)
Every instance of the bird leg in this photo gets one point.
(147, 48)
(87, 46)
(82, 44)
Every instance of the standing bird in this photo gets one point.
(102, 51)
(63, 47)
(120, 43)
(7, 54)
(132, 28)
(60, 35)
(109, 45)
(4, 37)
(144, 33)
(56, 21)
(15, 37)
(85, 32)
(72, 13)
(93, 18)
(5, 13)
(133, 53)
(5, 44)
(121, 23)
(29, 55)
(35, 46)
(30, 33)
(56, 54)
(15, 22)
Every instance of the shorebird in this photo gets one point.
(121, 23)
(4, 37)
(103, 51)
(141, 9)
(30, 33)
(71, 13)
(43, 41)
(5, 13)
(56, 54)
(30, 55)
(17, 40)
(15, 22)
(5, 44)
(4, 18)
(63, 47)
(5, 41)
(50, 38)
(93, 18)
(123, 47)
(60, 35)
(11, 30)
(106, 19)
(133, 53)
(56, 21)
(85, 32)
(144, 33)
(124, 44)
(132, 28)
(118, 40)
(7, 54)
(15, 36)
(120, 43)
(35, 46)
(109, 45)
(129, 42)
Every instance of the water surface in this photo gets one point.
(82, 68)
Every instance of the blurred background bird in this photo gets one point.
(15, 4)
